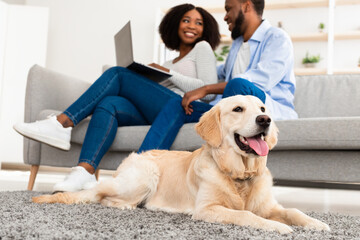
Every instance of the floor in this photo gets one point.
(305, 199)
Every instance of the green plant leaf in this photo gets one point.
(311, 59)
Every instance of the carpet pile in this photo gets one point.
(22, 219)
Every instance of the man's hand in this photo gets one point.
(192, 96)
(155, 65)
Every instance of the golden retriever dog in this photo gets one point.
(224, 181)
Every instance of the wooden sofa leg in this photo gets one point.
(33, 172)
(97, 172)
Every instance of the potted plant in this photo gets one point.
(310, 61)
(321, 27)
(222, 55)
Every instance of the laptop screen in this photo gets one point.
(123, 47)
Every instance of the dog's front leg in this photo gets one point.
(221, 214)
(292, 216)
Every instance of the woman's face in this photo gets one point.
(191, 27)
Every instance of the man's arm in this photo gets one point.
(217, 88)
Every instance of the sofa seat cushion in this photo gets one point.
(129, 138)
(335, 133)
(330, 133)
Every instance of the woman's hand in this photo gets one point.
(155, 65)
(192, 96)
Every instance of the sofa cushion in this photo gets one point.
(301, 134)
(327, 96)
(130, 138)
(319, 133)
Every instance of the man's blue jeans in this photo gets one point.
(119, 97)
(172, 117)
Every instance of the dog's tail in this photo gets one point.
(85, 196)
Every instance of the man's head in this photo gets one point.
(242, 14)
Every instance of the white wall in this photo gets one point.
(81, 31)
(3, 28)
(23, 42)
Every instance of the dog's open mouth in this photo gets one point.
(255, 145)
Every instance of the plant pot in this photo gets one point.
(310, 65)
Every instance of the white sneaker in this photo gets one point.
(48, 131)
(78, 179)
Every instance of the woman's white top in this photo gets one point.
(196, 69)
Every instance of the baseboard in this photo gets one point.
(24, 167)
(313, 184)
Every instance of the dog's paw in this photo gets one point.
(279, 227)
(284, 229)
(317, 225)
(109, 202)
(127, 207)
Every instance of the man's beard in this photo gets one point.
(237, 32)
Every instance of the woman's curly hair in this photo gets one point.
(169, 26)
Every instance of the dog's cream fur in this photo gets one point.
(217, 183)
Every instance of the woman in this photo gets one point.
(121, 97)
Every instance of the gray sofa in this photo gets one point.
(323, 145)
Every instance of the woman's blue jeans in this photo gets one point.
(119, 97)
(172, 117)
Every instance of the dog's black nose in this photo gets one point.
(263, 121)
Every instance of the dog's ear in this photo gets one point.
(209, 127)
(272, 137)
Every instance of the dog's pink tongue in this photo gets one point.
(259, 145)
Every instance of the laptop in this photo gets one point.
(125, 57)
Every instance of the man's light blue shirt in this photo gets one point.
(271, 69)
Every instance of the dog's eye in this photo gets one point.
(238, 109)
(262, 109)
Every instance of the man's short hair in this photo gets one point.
(259, 6)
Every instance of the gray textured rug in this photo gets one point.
(22, 219)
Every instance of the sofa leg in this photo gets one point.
(97, 172)
(33, 172)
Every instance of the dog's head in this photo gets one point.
(241, 123)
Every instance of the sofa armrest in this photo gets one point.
(47, 89)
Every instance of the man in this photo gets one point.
(260, 63)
